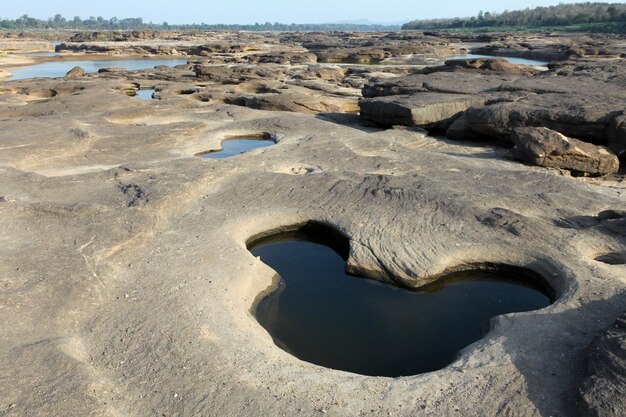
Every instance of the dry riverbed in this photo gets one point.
(126, 287)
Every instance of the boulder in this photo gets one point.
(295, 102)
(583, 116)
(424, 109)
(604, 391)
(548, 148)
(75, 72)
(441, 82)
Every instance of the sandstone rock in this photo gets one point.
(112, 70)
(617, 136)
(75, 72)
(441, 82)
(115, 36)
(295, 102)
(324, 72)
(604, 392)
(4, 73)
(354, 55)
(26, 46)
(235, 75)
(489, 64)
(582, 116)
(425, 109)
(282, 58)
(541, 52)
(545, 147)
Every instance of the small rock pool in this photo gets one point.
(322, 315)
(238, 145)
(145, 94)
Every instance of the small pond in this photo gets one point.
(512, 60)
(60, 68)
(235, 146)
(322, 315)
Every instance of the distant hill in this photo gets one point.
(604, 17)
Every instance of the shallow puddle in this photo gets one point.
(324, 316)
(60, 68)
(145, 94)
(235, 146)
(512, 60)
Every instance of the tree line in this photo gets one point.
(561, 15)
(100, 23)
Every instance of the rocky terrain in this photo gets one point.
(126, 287)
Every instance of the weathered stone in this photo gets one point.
(604, 391)
(26, 46)
(425, 109)
(75, 72)
(497, 65)
(440, 82)
(544, 147)
(586, 117)
(112, 70)
(543, 52)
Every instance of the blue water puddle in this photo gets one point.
(59, 69)
(237, 146)
(512, 60)
(145, 94)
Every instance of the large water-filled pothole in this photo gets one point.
(322, 315)
(238, 145)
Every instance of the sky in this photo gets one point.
(251, 11)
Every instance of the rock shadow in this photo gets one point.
(554, 365)
(350, 120)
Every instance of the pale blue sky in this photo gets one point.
(251, 11)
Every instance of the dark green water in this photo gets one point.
(324, 316)
(233, 147)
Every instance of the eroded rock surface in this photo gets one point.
(125, 282)
(604, 392)
(75, 72)
(545, 147)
